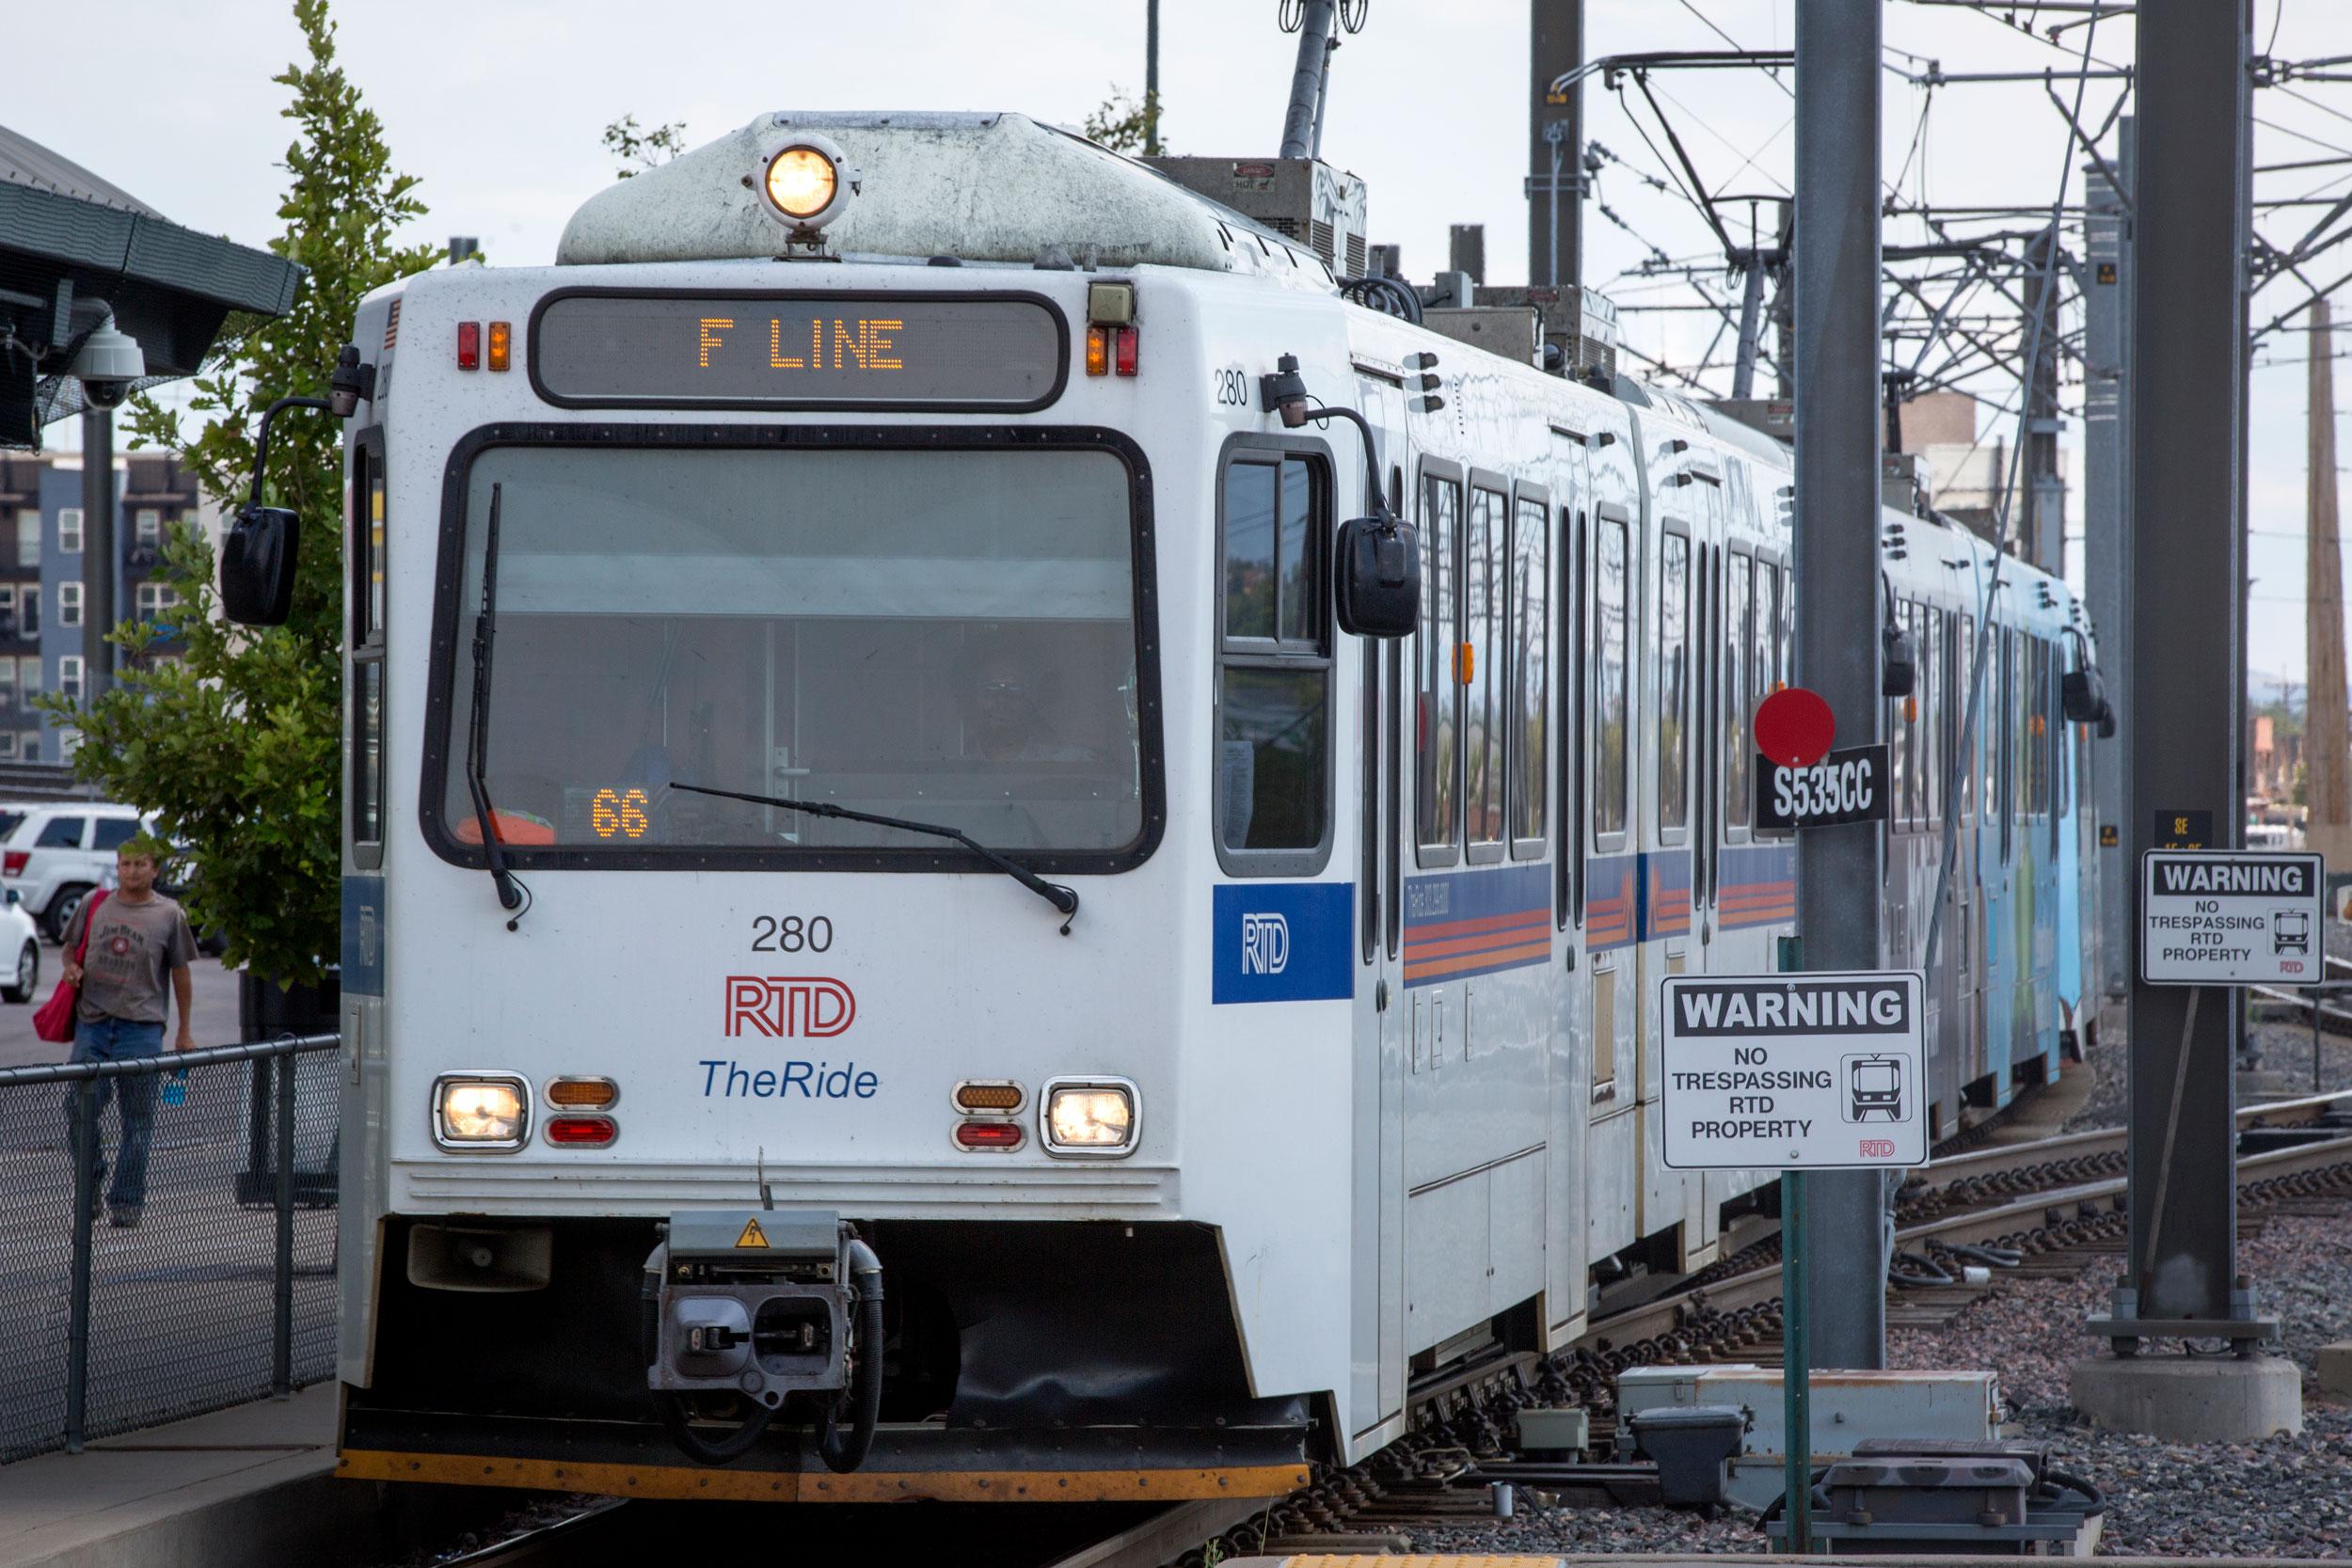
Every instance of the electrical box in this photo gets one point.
(1303, 199)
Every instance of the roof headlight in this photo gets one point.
(806, 182)
(1089, 1117)
(480, 1111)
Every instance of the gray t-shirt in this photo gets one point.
(134, 948)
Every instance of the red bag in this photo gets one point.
(55, 1021)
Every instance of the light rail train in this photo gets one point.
(893, 947)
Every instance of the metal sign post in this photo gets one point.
(1806, 1072)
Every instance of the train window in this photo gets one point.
(1368, 748)
(1274, 728)
(1527, 695)
(1673, 682)
(1573, 705)
(1527, 692)
(1437, 701)
(1925, 628)
(1965, 713)
(1897, 736)
(1392, 774)
(1483, 543)
(1610, 650)
(945, 633)
(1739, 693)
(1784, 584)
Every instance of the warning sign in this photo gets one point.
(2224, 917)
(752, 1236)
(1794, 1071)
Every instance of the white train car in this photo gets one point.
(1202, 1021)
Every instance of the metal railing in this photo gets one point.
(201, 1275)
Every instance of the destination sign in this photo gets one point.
(965, 352)
(2221, 917)
(1793, 1071)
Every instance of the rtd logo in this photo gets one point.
(788, 1007)
(1877, 1149)
(1265, 944)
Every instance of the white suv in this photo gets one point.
(59, 852)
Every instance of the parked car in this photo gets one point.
(59, 852)
(20, 939)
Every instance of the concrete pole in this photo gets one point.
(1315, 52)
(1555, 31)
(2327, 747)
(100, 561)
(1838, 590)
(2106, 539)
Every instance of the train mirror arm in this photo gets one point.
(1064, 899)
(260, 441)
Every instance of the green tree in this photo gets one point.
(1124, 124)
(235, 743)
(639, 148)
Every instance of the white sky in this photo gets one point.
(499, 106)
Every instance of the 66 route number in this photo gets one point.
(791, 933)
(1844, 786)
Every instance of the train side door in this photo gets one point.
(1668, 946)
(1377, 1354)
(1570, 1036)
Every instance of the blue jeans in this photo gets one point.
(115, 1040)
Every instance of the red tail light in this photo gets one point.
(13, 862)
(469, 346)
(1123, 350)
(988, 1134)
(591, 1132)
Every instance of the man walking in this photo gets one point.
(138, 943)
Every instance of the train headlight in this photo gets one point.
(806, 182)
(479, 1111)
(1089, 1117)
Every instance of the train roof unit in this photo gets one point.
(980, 189)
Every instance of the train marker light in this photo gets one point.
(1098, 351)
(480, 1111)
(582, 1132)
(1111, 304)
(1089, 1117)
(583, 1094)
(501, 345)
(1123, 350)
(469, 346)
(1005, 1135)
(999, 1096)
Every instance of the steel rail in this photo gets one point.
(1996, 1158)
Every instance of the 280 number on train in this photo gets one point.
(792, 933)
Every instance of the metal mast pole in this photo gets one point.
(98, 554)
(1556, 144)
(1301, 121)
(1838, 590)
(2106, 540)
(1151, 78)
(2045, 534)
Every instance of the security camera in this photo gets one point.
(110, 362)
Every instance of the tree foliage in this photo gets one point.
(235, 743)
(639, 148)
(1125, 124)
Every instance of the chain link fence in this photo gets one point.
(186, 1261)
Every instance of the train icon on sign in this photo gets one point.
(2291, 931)
(1873, 1087)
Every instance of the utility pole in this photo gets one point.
(2106, 539)
(1556, 144)
(98, 555)
(2327, 747)
(2179, 1278)
(1837, 583)
(1151, 78)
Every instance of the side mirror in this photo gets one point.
(2083, 694)
(1376, 577)
(1898, 672)
(256, 566)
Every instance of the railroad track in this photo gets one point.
(1442, 1472)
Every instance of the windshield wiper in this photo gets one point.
(1062, 899)
(478, 730)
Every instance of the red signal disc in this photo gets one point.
(1794, 727)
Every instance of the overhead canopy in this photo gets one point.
(75, 248)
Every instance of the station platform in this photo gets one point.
(254, 1483)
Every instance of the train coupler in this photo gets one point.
(756, 1303)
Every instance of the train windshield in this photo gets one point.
(944, 636)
